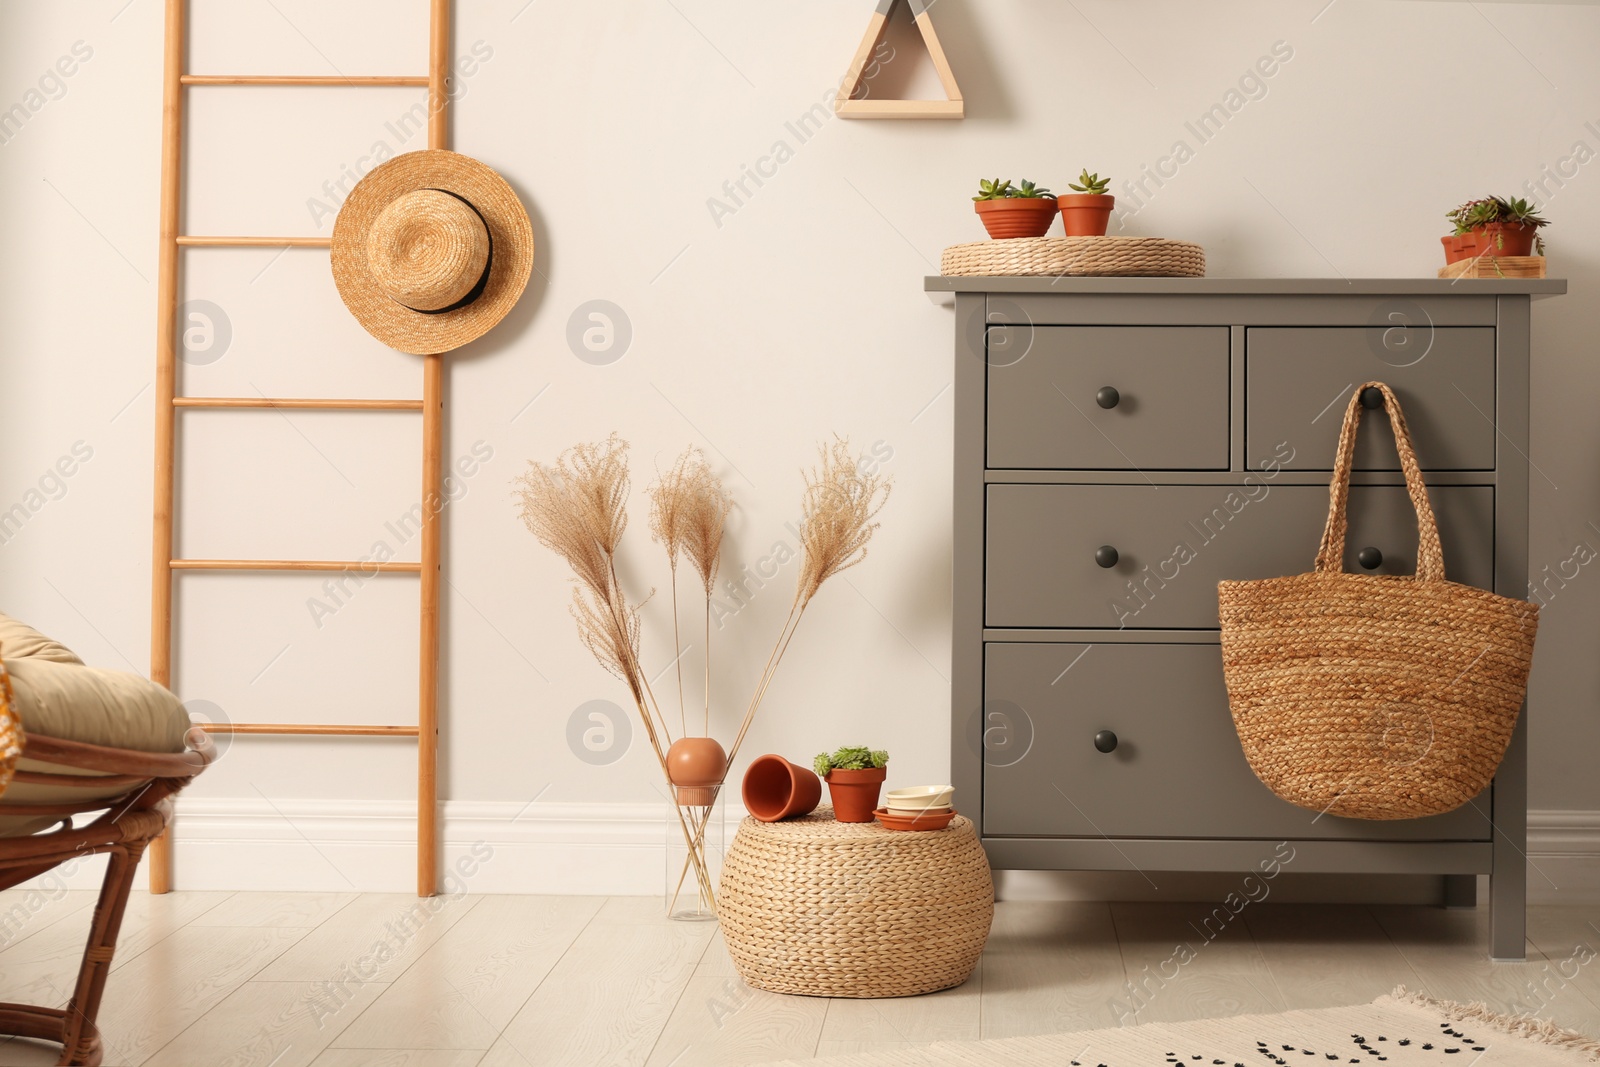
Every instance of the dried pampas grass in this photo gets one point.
(610, 634)
(840, 502)
(576, 507)
(688, 510)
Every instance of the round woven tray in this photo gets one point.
(1154, 257)
(831, 909)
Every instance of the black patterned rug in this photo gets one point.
(1401, 1029)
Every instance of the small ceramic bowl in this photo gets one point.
(913, 813)
(919, 797)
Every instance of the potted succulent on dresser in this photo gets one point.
(1086, 211)
(1494, 226)
(854, 777)
(1007, 211)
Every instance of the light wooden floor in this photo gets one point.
(341, 980)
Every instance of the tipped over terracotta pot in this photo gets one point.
(776, 789)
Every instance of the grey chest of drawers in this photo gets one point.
(1123, 444)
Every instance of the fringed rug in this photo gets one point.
(1400, 1029)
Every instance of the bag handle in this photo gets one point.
(1330, 556)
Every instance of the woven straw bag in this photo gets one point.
(1374, 696)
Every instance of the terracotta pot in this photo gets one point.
(1086, 214)
(1473, 245)
(1455, 248)
(1505, 239)
(855, 793)
(1028, 216)
(776, 789)
(696, 766)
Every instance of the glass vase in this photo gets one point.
(695, 844)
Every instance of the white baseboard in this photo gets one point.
(486, 846)
(1564, 857)
(620, 849)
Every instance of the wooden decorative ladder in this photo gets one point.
(169, 403)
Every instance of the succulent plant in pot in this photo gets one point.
(1086, 211)
(1465, 241)
(1008, 211)
(1494, 226)
(854, 777)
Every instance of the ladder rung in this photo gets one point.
(309, 729)
(363, 566)
(255, 242)
(300, 79)
(311, 403)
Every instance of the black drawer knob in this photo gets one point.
(1372, 398)
(1106, 556)
(1107, 397)
(1105, 741)
(1370, 558)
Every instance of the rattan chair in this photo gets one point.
(142, 784)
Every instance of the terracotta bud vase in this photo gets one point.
(696, 766)
(776, 789)
(1017, 216)
(855, 793)
(1086, 214)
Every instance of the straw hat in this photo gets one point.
(430, 250)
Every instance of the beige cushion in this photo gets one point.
(58, 696)
(18, 640)
(77, 703)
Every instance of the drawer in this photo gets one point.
(1299, 381)
(1172, 406)
(1175, 543)
(1177, 769)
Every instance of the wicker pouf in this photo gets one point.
(831, 909)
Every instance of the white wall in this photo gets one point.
(754, 334)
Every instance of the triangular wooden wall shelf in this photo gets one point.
(952, 108)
